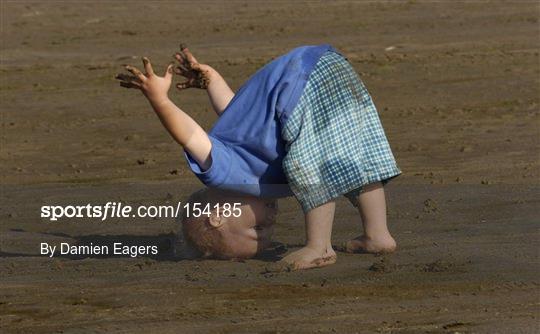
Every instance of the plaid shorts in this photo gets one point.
(334, 139)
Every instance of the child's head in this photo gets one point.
(221, 235)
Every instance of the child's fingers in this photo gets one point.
(195, 66)
(180, 57)
(183, 85)
(181, 69)
(182, 53)
(178, 71)
(130, 84)
(126, 77)
(121, 77)
(135, 71)
(169, 72)
(187, 53)
(128, 81)
(147, 66)
(191, 59)
(183, 63)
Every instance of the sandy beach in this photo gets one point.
(457, 88)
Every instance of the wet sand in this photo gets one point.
(456, 85)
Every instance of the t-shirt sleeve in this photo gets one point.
(220, 168)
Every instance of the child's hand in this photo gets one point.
(198, 75)
(154, 87)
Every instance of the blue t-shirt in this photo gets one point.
(247, 147)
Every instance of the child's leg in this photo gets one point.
(318, 251)
(372, 206)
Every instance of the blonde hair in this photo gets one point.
(197, 231)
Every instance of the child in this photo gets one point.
(304, 123)
(224, 235)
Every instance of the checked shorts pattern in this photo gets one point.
(335, 142)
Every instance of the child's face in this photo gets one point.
(245, 236)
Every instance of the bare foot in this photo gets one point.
(306, 258)
(364, 244)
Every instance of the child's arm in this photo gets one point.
(204, 77)
(181, 127)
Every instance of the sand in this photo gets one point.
(456, 85)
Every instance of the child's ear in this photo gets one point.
(215, 220)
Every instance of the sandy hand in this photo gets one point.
(154, 87)
(197, 75)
